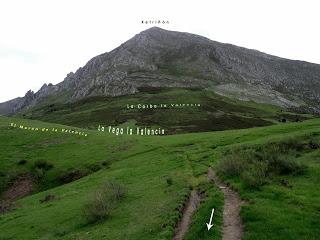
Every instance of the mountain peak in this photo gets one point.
(154, 28)
(153, 31)
(157, 57)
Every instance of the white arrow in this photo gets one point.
(209, 225)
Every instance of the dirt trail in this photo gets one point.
(191, 207)
(232, 225)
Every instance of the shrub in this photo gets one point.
(94, 167)
(313, 144)
(38, 173)
(255, 165)
(61, 231)
(256, 175)
(284, 146)
(233, 164)
(286, 165)
(291, 144)
(115, 190)
(169, 181)
(43, 164)
(47, 198)
(22, 162)
(106, 163)
(103, 201)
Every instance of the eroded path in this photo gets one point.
(191, 207)
(232, 225)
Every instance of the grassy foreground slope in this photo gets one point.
(158, 173)
(149, 211)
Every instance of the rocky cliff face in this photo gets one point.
(161, 58)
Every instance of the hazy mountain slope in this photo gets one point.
(161, 58)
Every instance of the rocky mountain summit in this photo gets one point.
(161, 58)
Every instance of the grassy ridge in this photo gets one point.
(144, 165)
(215, 112)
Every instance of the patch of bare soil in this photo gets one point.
(19, 189)
(191, 207)
(232, 225)
(73, 176)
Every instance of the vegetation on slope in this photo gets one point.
(279, 179)
(157, 173)
(214, 113)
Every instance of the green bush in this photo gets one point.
(313, 144)
(255, 175)
(103, 201)
(290, 144)
(233, 164)
(169, 181)
(22, 162)
(60, 231)
(255, 165)
(94, 167)
(114, 190)
(106, 163)
(286, 165)
(43, 164)
(38, 173)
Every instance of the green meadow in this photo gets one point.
(158, 173)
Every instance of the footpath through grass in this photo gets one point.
(157, 172)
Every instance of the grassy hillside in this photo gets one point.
(213, 113)
(157, 174)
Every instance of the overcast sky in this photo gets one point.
(41, 40)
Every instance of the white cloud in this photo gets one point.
(42, 41)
